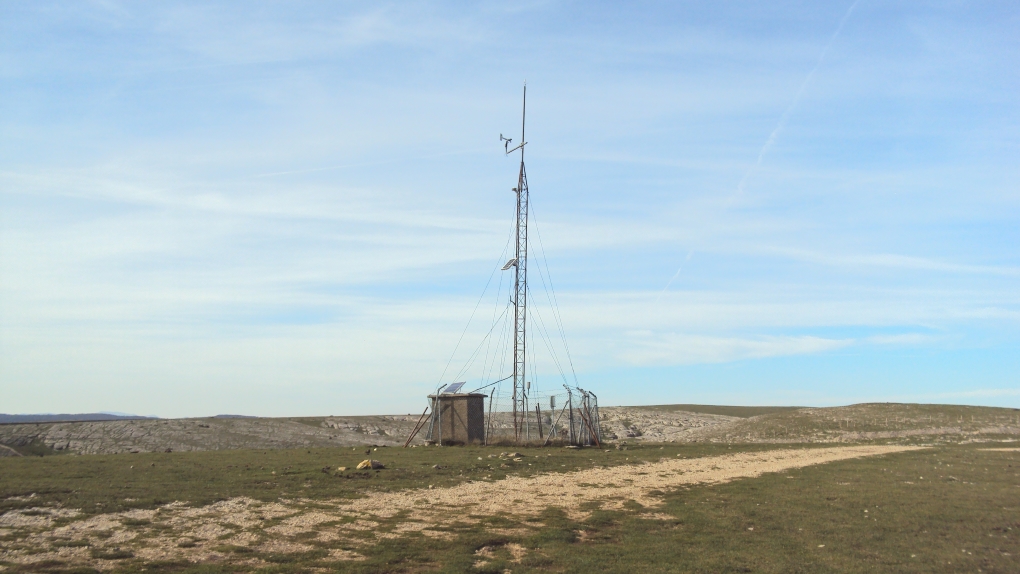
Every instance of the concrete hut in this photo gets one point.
(459, 418)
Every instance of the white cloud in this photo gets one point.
(673, 349)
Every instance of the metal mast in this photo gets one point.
(521, 286)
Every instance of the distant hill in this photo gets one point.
(48, 418)
(727, 411)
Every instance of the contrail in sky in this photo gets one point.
(796, 100)
(675, 275)
(779, 128)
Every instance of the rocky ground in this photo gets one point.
(636, 424)
(868, 421)
(159, 435)
(109, 437)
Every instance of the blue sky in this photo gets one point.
(293, 208)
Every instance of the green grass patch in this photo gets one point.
(950, 509)
(49, 567)
(99, 484)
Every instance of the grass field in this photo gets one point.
(952, 508)
(943, 508)
(112, 483)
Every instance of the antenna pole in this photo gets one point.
(524, 111)
(521, 288)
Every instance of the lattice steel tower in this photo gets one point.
(520, 264)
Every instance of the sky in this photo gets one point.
(301, 208)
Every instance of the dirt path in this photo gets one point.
(175, 531)
(611, 485)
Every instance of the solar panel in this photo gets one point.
(455, 387)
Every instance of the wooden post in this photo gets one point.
(538, 419)
(417, 427)
(570, 405)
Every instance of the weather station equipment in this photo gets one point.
(455, 417)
